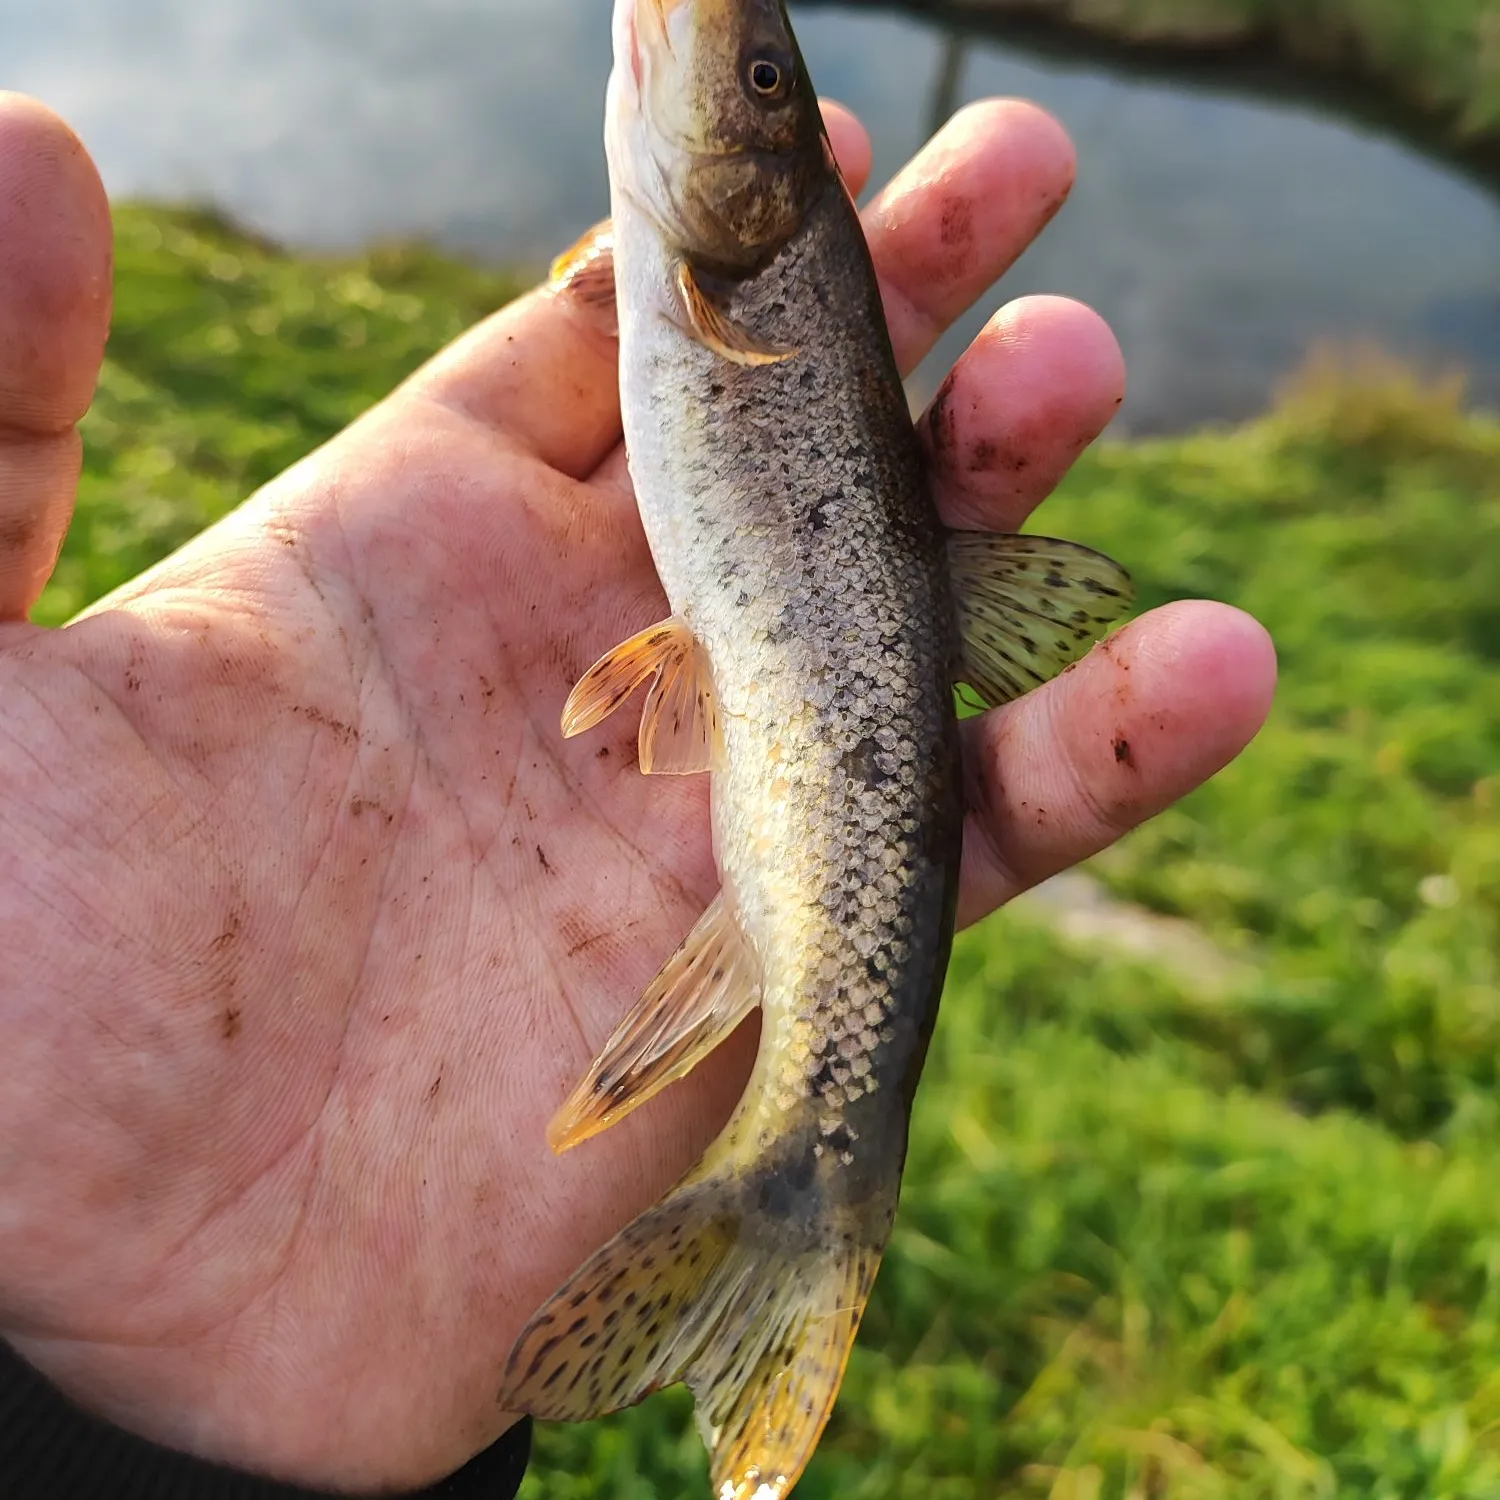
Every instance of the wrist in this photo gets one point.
(49, 1447)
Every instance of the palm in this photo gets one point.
(318, 917)
(365, 914)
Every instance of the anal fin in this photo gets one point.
(586, 272)
(680, 732)
(707, 987)
(708, 324)
(1028, 606)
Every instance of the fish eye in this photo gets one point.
(769, 76)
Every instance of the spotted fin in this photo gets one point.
(707, 987)
(1028, 606)
(586, 272)
(699, 1290)
(680, 731)
(714, 331)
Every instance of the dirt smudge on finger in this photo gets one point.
(16, 532)
(942, 422)
(956, 229)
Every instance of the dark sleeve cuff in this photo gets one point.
(51, 1449)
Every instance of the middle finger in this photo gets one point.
(1040, 383)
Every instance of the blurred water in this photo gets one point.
(1219, 237)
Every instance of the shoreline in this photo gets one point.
(1244, 57)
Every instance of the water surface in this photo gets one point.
(1221, 238)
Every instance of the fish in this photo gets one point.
(822, 620)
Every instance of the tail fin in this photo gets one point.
(760, 1332)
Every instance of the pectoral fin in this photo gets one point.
(708, 324)
(1028, 606)
(708, 986)
(587, 273)
(680, 732)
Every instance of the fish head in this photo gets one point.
(715, 127)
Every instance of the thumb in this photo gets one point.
(55, 254)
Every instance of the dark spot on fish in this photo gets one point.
(1123, 755)
(577, 1326)
(231, 1027)
(555, 1376)
(742, 599)
(800, 1171)
(602, 753)
(862, 764)
(774, 1197)
(437, 1084)
(542, 859)
(579, 1298)
(534, 1368)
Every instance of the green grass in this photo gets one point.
(229, 360)
(1154, 1242)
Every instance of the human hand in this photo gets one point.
(310, 916)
